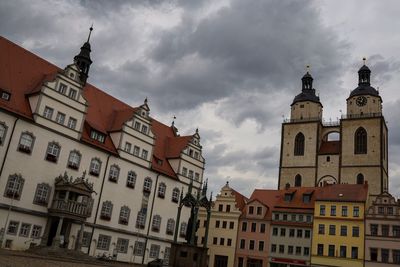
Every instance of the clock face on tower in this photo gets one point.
(361, 101)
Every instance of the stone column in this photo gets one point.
(78, 244)
(56, 240)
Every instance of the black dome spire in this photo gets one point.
(83, 60)
(307, 90)
(364, 83)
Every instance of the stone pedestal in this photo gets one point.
(184, 255)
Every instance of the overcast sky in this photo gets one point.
(229, 67)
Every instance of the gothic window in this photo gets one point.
(140, 220)
(53, 151)
(106, 210)
(131, 179)
(95, 166)
(175, 195)
(155, 225)
(147, 185)
(161, 190)
(124, 215)
(74, 159)
(3, 131)
(114, 173)
(360, 141)
(360, 178)
(297, 180)
(42, 194)
(14, 186)
(182, 231)
(299, 145)
(170, 226)
(26, 143)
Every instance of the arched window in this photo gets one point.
(299, 145)
(53, 151)
(297, 180)
(147, 185)
(175, 195)
(155, 225)
(131, 179)
(360, 141)
(360, 178)
(74, 159)
(170, 226)
(114, 173)
(95, 166)
(161, 190)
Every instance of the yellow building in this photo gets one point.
(223, 228)
(338, 234)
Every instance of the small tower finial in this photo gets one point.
(90, 32)
(145, 100)
(308, 68)
(173, 121)
(364, 60)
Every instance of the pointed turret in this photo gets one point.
(307, 90)
(83, 61)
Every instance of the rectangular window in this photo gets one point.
(136, 151)
(24, 230)
(354, 252)
(344, 211)
(283, 232)
(128, 147)
(322, 210)
(333, 210)
(390, 210)
(290, 250)
(197, 177)
(293, 217)
(321, 229)
(285, 217)
(396, 230)
(276, 216)
(190, 174)
(86, 239)
(72, 93)
(374, 229)
(385, 230)
(373, 252)
(137, 125)
(224, 223)
(306, 251)
(343, 253)
(220, 207)
(228, 208)
(222, 241)
(259, 210)
(217, 223)
(332, 230)
(12, 228)
(396, 256)
(381, 210)
(331, 251)
(36, 231)
(103, 242)
(253, 227)
(308, 218)
(385, 255)
(71, 123)
(281, 249)
(242, 243)
(356, 212)
(60, 118)
(244, 226)
(48, 113)
(62, 88)
(298, 250)
(229, 242)
(275, 231)
(154, 251)
(215, 240)
(307, 233)
(139, 248)
(343, 230)
(291, 232)
(184, 171)
(241, 262)
(260, 245)
(144, 129)
(356, 231)
(273, 248)
(231, 225)
(262, 228)
(301, 218)
(144, 154)
(122, 245)
(320, 250)
(299, 233)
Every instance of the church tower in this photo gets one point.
(358, 154)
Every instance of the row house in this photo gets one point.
(338, 228)
(382, 237)
(98, 175)
(252, 247)
(223, 227)
(291, 227)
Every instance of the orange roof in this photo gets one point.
(267, 197)
(329, 147)
(240, 200)
(22, 73)
(296, 204)
(343, 192)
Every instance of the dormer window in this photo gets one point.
(191, 152)
(306, 198)
(288, 197)
(5, 96)
(72, 93)
(137, 125)
(95, 135)
(196, 155)
(62, 88)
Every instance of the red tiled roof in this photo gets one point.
(343, 192)
(268, 197)
(296, 203)
(240, 200)
(329, 147)
(22, 73)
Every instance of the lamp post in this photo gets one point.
(14, 190)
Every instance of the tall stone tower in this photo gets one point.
(358, 151)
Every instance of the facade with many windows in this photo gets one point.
(382, 238)
(338, 229)
(98, 175)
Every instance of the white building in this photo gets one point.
(73, 157)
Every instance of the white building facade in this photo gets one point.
(83, 170)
